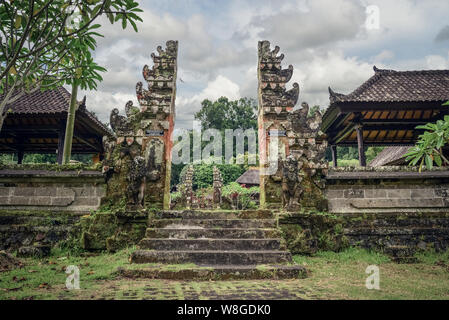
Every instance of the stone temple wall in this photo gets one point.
(71, 191)
(387, 190)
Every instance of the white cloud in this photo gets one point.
(343, 74)
(187, 107)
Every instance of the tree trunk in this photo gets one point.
(70, 126)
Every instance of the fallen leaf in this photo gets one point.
(32, 271)
(91, 272)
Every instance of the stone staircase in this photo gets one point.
(214, 245)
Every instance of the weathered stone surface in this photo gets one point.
(216, 273)
(200, 214)
(211, 257)
(307, 233)
(215, 223)
(137, 162)
(225, 233)
(291, 145)
(210, 244)
(51, 190)
(350, 192)
(38, 251)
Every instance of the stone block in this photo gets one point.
(5, 191)
(65, 192)
(354, 193)
(46, 191)
(84, 191)
(4, 200)
(399, 193)
(375, 193)
(62, 201)
(422, 193)
(25, 191)
(398, 203)
(40, 201)
(334, 194)
(24, 201)
(87, 201)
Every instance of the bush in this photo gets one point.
(240, 197)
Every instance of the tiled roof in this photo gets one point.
(50, 102)
(390, 156)
(250, 176)
(399, 86)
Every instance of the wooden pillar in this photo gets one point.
(361, 147)
(61, 138)
(334, 155)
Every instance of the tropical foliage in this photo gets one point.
(48, 43)
(429, 148)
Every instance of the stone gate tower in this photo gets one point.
(291, 145)
(138, 160)
(275, 103)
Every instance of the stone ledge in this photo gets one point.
(378, 175)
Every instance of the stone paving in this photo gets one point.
(190, 290)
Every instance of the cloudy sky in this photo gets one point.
(329, 42)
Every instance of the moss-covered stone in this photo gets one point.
(112, 231)
(306, 233)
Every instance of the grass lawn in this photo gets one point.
(332, 276)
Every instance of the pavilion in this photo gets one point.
(385, 110)
(35, 123)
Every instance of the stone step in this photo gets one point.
(210, 244)
(212, 257)
(211, 223)
(212, 233)
(217, 273)
(212, 214)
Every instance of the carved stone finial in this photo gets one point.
(217, 184)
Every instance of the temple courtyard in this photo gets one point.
(331, 276)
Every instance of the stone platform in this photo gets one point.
(213, 245)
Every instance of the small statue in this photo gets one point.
(291, 182)
(136, 183)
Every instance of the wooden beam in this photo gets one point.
(361, 147)
(85, 141)
(343, 134)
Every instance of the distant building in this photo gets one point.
(250, 178)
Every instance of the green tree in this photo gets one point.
(429, 147)
(48, 43)
(225, 114)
